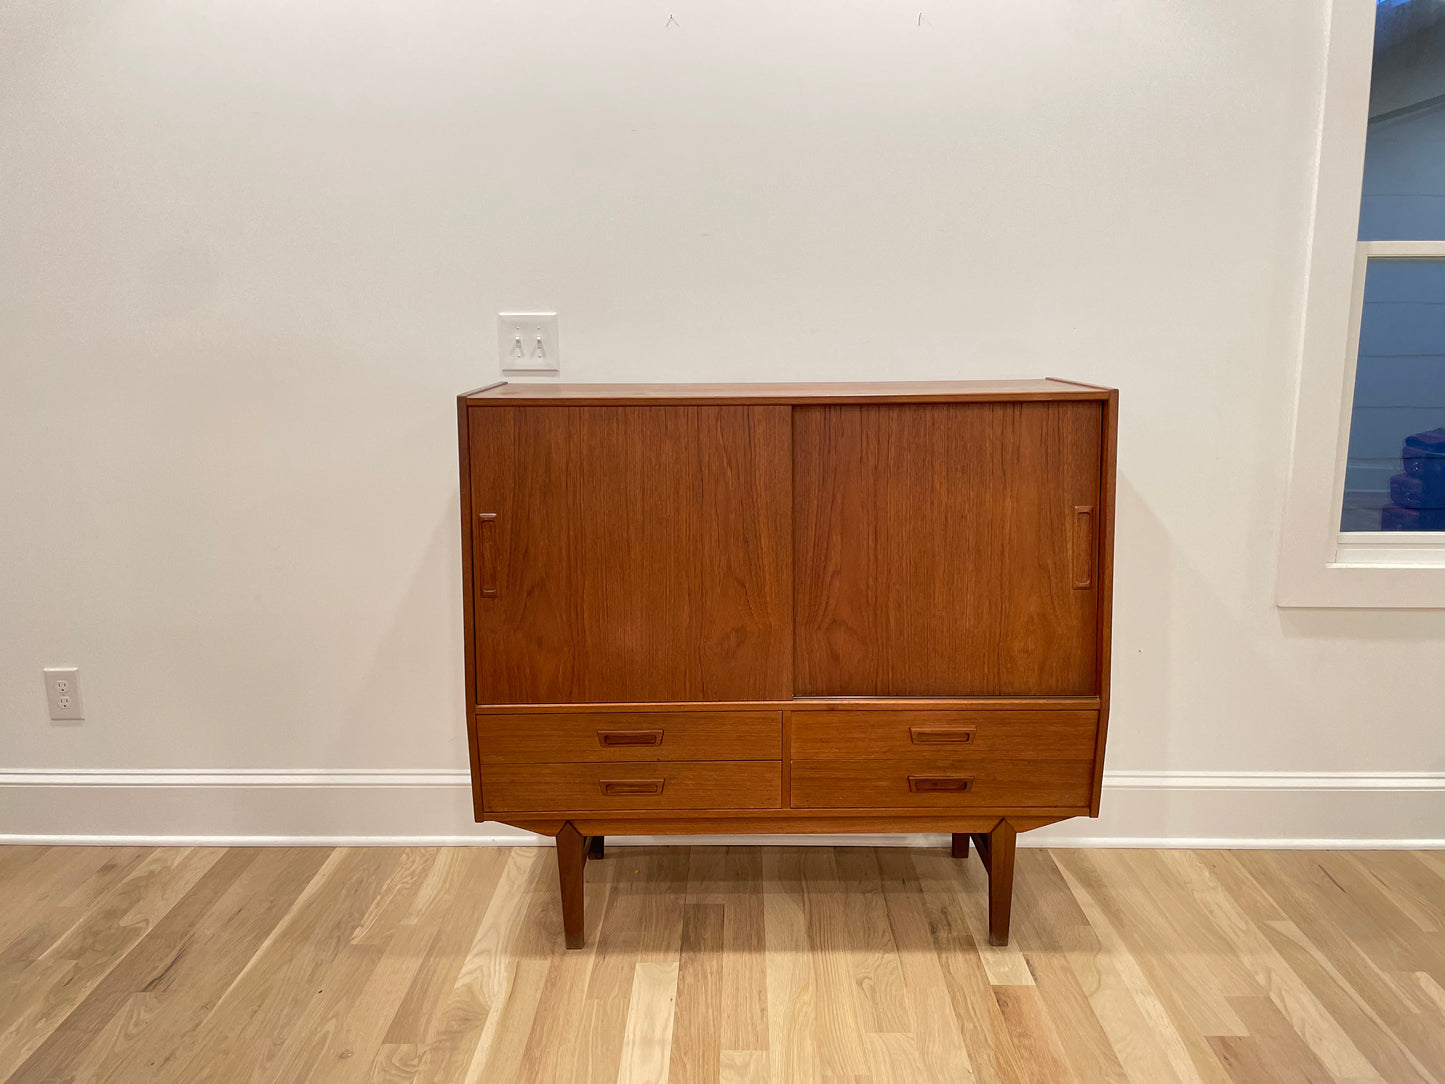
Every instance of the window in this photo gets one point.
(1395, 467)
(1365, 511)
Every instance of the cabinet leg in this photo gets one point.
(1001, 845)
(571, 857)
(594, 846)
(960, 844)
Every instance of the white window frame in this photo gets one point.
(1320, 565)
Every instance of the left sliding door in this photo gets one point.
(631, 554)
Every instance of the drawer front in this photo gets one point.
(925, 783)
(580, 737)
(845, 734)
(637, 785)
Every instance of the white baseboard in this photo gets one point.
(432, 807)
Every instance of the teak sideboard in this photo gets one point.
(757, 608)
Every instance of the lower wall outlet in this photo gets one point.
(62, 692)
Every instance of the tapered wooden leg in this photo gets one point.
(594, 846)
(960, 844)
(1001, 845)
(571, 857)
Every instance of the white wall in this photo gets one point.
(250, 252)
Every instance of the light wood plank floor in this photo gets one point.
(719, 964)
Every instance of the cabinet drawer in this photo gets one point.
(577, 737)
(938, 734)
(639, 785)
(923, 782)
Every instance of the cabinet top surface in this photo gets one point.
(940, 391)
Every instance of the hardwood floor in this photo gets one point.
(730, 965)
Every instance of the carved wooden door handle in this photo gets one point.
(616, 788)
(629, 737)
(487, 554)
(920, 784)
(939, 735)
(1081, 547)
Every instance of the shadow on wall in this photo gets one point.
(1418, 634)
(1139, 712)
(1414, 627)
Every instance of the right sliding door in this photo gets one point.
(946, 549)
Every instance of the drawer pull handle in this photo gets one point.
(919, 784)
(1081, 547)
(487, 557)
(928, 735)
(629, 737)
(615, 788)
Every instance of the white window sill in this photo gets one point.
(1390, 549)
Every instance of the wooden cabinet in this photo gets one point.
(787, 608)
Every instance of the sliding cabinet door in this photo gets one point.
(627, 554)
(946, 549)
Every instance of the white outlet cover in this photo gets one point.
(527, 342)
(62, 693)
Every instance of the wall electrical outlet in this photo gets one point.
(62, 692)
(527, 342)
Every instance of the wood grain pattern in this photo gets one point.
(647, 785)
(815, 703)
(209, 914)
(744, 964)
(1002, 842)
(571, 860)
(80, 957)
(993, 784)
(643, 553)
(1048, 634)
(963, 734)
(898, 503)
(632, 736)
